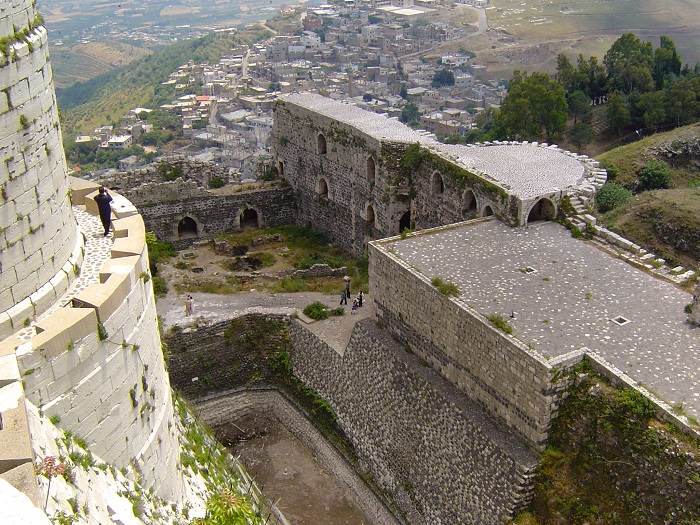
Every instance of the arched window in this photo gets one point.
(187, 228)
(371, 169)
(280, 168)
(488, 212)
(322, 188)
(437, 186)
(543, 210)
(249, 218)
(468, 204)
(322, 147)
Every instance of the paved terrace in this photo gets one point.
(569, 300)
(516, 167)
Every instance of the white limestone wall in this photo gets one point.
(114, 393)
(38, 233)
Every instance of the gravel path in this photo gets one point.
(213, 308)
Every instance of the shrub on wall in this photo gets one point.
(611, 196)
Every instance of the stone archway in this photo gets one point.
(437, 185)
(371, 169)
(488, 212)
(469, 205)
(405, 221)
(369, 217)
(321, 143)
(248, 218)
(543, 210)
(322, 188)
(187, 228)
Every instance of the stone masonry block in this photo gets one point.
(63, 326)
(104, 297)
(15, 443)
(19, 94)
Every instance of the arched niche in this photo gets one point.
(187, 228)
(322, 147)
(322, 188)
(248, 218)
(371, 169)
(469, 205)
(488, 212)
(280, 168)
(405, 221)
(437, 186)
(369, 215)
(543, 210)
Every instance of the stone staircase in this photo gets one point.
(582, 220)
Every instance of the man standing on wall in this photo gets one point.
(103, 199)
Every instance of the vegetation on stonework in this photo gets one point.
(445, 288)
(499, 322)
(201, 453)
(608, 461)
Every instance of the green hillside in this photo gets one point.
(87, 105)
(665, 221)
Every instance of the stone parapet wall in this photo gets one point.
(98, 366)
(438, 455)
(38, 233)
(511, 381)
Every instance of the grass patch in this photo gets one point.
(499, 322)
(445, 287)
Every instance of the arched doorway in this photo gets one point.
(371, 169)
(280, 168)
(370, 218)
(468, 204)
(322, 188)
(322, 147)
(488, 212)
(543, 210)
(187, 228)
(249, 218)
(437, 186)
(405, 221)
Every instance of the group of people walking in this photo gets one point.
(345, 295)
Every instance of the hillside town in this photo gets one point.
(367, 53)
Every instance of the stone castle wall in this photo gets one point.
(109, 388)
(512, 382)
(38, 234)
(340, 208)
(436, 453)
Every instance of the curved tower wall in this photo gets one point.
(39, 242)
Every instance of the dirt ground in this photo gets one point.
(286, 470)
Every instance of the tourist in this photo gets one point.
(343, 298)
(353, 310)
(359, 299)
(347, 287)
(103, 199)
(191, 299)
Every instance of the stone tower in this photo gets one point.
(38, 232)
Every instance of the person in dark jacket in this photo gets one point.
(103, 200)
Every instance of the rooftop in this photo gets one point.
(525, 170)
(566, 294)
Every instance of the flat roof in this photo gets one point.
(565, 294)
(525, 170)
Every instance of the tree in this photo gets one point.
(682, 99)
(410, 113)
(403, 92)
(590, 77)
(566, 73)
(655, 175)
(581, 134)
(611, 195)
(653, 106)
(629, 63)
(667, 62)
(534, 103)
(616, 112)
(444, 77)
(579, 106)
